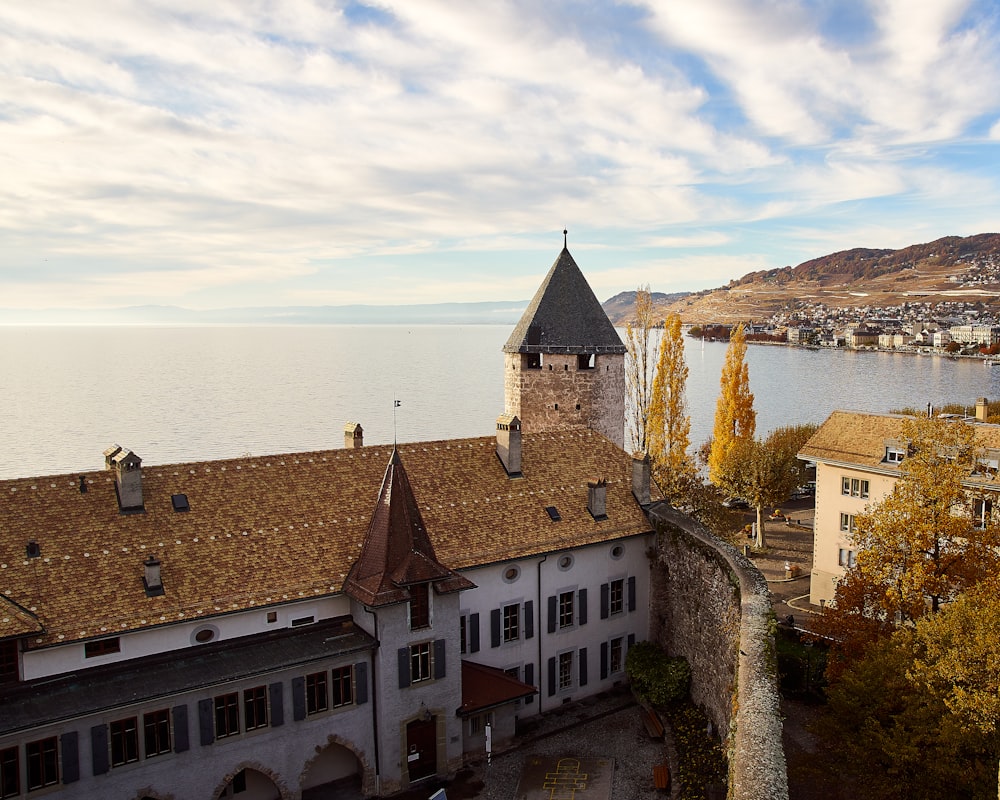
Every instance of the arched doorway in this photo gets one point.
(249, 784)
(334, 773)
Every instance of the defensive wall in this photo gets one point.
(712, 606)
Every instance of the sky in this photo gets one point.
(314, 152)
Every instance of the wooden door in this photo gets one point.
(421, 748)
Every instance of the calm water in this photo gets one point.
(180, 394)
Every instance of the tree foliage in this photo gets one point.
(735, 418)
(639, 369)
(668, 423)
(656, 677)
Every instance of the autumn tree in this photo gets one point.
(668, 424)
(639, 369)
(764, 472)
(735, 418)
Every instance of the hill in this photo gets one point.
(954, 268)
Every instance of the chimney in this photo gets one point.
(982, 409)
(640, 478)
(354, 436)
(109, 454)
(509, 444)
(127, 467)
(151, 578)
(597, 498)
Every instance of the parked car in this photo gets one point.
(735, 502)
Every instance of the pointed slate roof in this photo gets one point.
(397, 551)
(564, 316)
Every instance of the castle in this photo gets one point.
(360, 618)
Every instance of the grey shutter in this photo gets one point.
(70, 745)
(605, 600)
(582, 614)
(604, 660)
(276, 691)
(631, 640)
(403, 664)
(552, 677)
(583, 666)
(206, 721)
(100, 758)
(529, 678)
(361, 683)
(529, 619)
(552, 614)
(181, 738)
(298, 699)
(495, 627)
(474, 632)
(440, 662)
(631, 593)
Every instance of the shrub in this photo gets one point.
(656, 677)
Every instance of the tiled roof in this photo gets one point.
(272, 529)
(564, 316)
(486, 687)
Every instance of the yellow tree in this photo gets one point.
(639, 370)
(668, 424)
(735, 418)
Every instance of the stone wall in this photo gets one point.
(712, 606)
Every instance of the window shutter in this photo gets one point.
(529, 619)
(100, 757)
(631, 593)
(403, 661)
(495, 627)
(361, 683)
(206, 721)
(583, 666)
(529, 678)
(631, 639)
(604, 660)
(582, 614)
(69, 744)
(552, 614)
(552, 677)
(474, 632)
(439, 659)
(298, 699)
(276, 691)
(181, 738)
(605, 600)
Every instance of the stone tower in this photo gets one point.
(564, 364)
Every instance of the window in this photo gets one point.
(855, 487)
(420, 606)
(8, 662)
(102, 647)
(10, 773)
(43, 763)
(893, 455)
(124, 741)
(255, 708)
(847, 523)
(981, 511)
(420, 662)
(479, 722)
(616, 655)
(227, 715)
(511, 574)
(565, 670)
(616, 597)
(156, 732)
(463, 641)
(511, 623)
(566, 609)
(317, 698)
(343, 682)
(847, 558)
(303, 621)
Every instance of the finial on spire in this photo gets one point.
(564, 238)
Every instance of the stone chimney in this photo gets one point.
(354, 436)
(509, 444)
(151, 578)
(640, 478)
(597, 498)
(982, 409)
(127, 468)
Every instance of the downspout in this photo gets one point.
(375, 694)
(538, 605)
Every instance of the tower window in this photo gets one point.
(584, 361)
(532, 360)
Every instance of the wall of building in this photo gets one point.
(712, 606)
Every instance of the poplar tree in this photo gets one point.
(638, 370)
(668, 423)
(735, 418)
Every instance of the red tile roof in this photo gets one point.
(486, 687)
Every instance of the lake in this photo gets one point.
(176, 394)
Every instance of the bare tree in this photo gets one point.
(639, 370)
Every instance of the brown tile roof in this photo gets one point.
(273, 529)
(486, 687)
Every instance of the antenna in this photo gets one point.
(565, 232)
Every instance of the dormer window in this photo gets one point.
(893, 455)
(420, 606)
